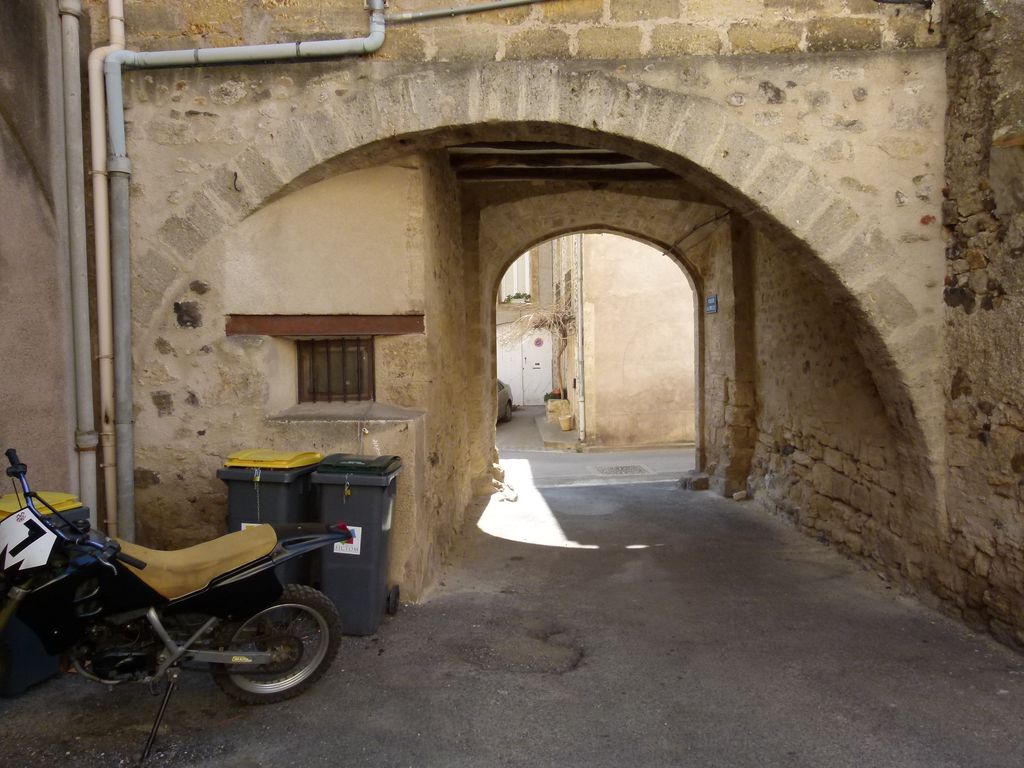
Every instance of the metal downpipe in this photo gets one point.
(86, 438)
(121, 289)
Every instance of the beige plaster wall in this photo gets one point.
(639, 344)
(37, 414)
(334, 247)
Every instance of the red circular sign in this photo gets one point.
(538, 342)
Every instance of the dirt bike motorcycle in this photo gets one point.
(118, 612)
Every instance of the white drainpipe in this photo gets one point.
(101, 250)
(580, 349)
(85, 430)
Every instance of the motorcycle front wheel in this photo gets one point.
(302, 631)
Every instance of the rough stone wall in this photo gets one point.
(721, 259)
(639, 345)
(984, 218)
(448, 458)
(825, 452)
(36, 386)
(586, 29)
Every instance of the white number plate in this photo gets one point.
(25, 542)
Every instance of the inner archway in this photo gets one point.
(599, 330)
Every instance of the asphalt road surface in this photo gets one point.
(597, 624)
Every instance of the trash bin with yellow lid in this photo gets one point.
(62, 502)
(67, 504)
(267, 486)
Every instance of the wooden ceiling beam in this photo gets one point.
(564, 174)
(516, 160)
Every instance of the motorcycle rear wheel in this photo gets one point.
(302, 630)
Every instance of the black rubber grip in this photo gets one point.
(134, 562)
(16, 468)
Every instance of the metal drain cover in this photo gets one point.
(622, 469)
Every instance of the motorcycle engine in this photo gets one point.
(123, 664)
(118, 652)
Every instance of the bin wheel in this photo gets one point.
(391, 601)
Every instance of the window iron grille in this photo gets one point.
(336, 370)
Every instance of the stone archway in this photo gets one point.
(340, 117)
(384, 115)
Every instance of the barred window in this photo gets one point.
(333, 370)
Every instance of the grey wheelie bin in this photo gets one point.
(360, 492)
(23, 660)
(272, 487)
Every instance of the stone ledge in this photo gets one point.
(364, 411)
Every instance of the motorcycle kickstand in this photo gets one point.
(172, 683)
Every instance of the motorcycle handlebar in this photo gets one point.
(134, 562)
(16, 468)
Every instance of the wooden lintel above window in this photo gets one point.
(317, 326)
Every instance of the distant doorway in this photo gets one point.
(525, 365)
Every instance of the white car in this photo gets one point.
(504, 401)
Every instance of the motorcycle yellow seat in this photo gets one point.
(184, 571)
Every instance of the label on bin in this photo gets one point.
(352, 547)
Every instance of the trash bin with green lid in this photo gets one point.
(360, 492)
(23, 660)
(267, 486)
